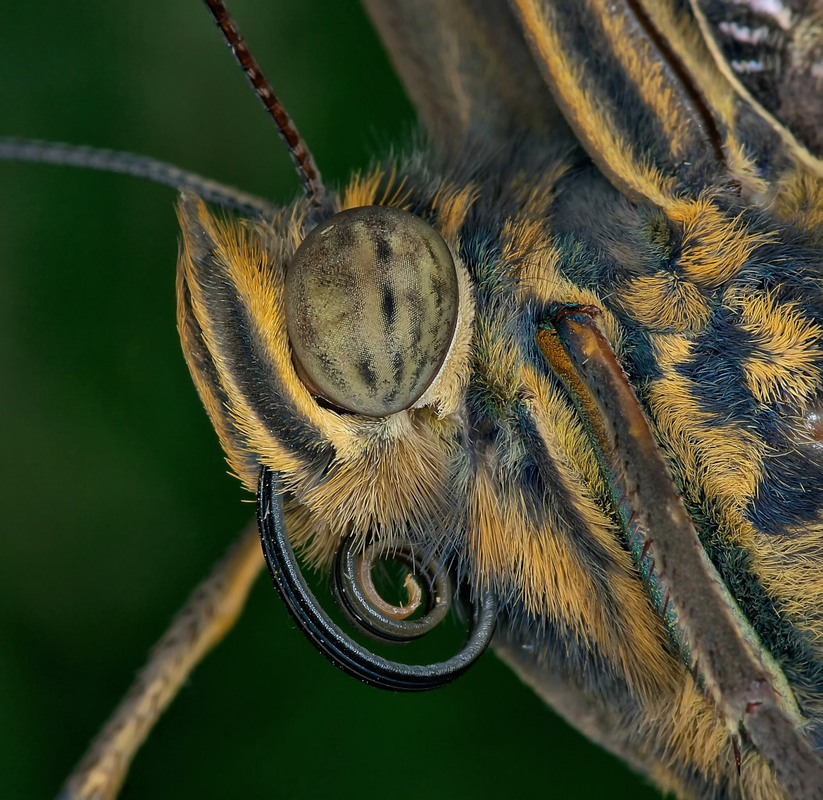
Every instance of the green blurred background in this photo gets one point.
(114, 497)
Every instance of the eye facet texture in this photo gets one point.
(371, 308)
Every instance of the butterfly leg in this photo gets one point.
(714, 638)
(204, 620)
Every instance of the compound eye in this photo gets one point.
(371, 307)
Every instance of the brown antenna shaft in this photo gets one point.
(299, 152)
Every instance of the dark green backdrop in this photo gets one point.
(114, 498)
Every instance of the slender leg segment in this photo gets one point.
(204, 620)
(715, 639)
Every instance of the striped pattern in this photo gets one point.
(231, 315)
(371, 306)
(642, 93)
(588, 62)
(705, 264)
(772, 52)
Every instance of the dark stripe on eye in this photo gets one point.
(397, 364)
(366, 371)
(344, 236)
(388, 306)
(384, 252)
(416, 312)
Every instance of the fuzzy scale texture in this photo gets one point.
(509, 483)
(699, 237)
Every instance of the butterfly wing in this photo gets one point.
(771, 53)
(465, 68)
(636, 84)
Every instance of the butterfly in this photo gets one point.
(60, 680)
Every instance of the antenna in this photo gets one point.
(72, 155)
(299, 152)
(32, 150)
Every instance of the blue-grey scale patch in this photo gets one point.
(790, 491)
(637, 356)
(790, 272)
(602, 239)
(715, 369)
